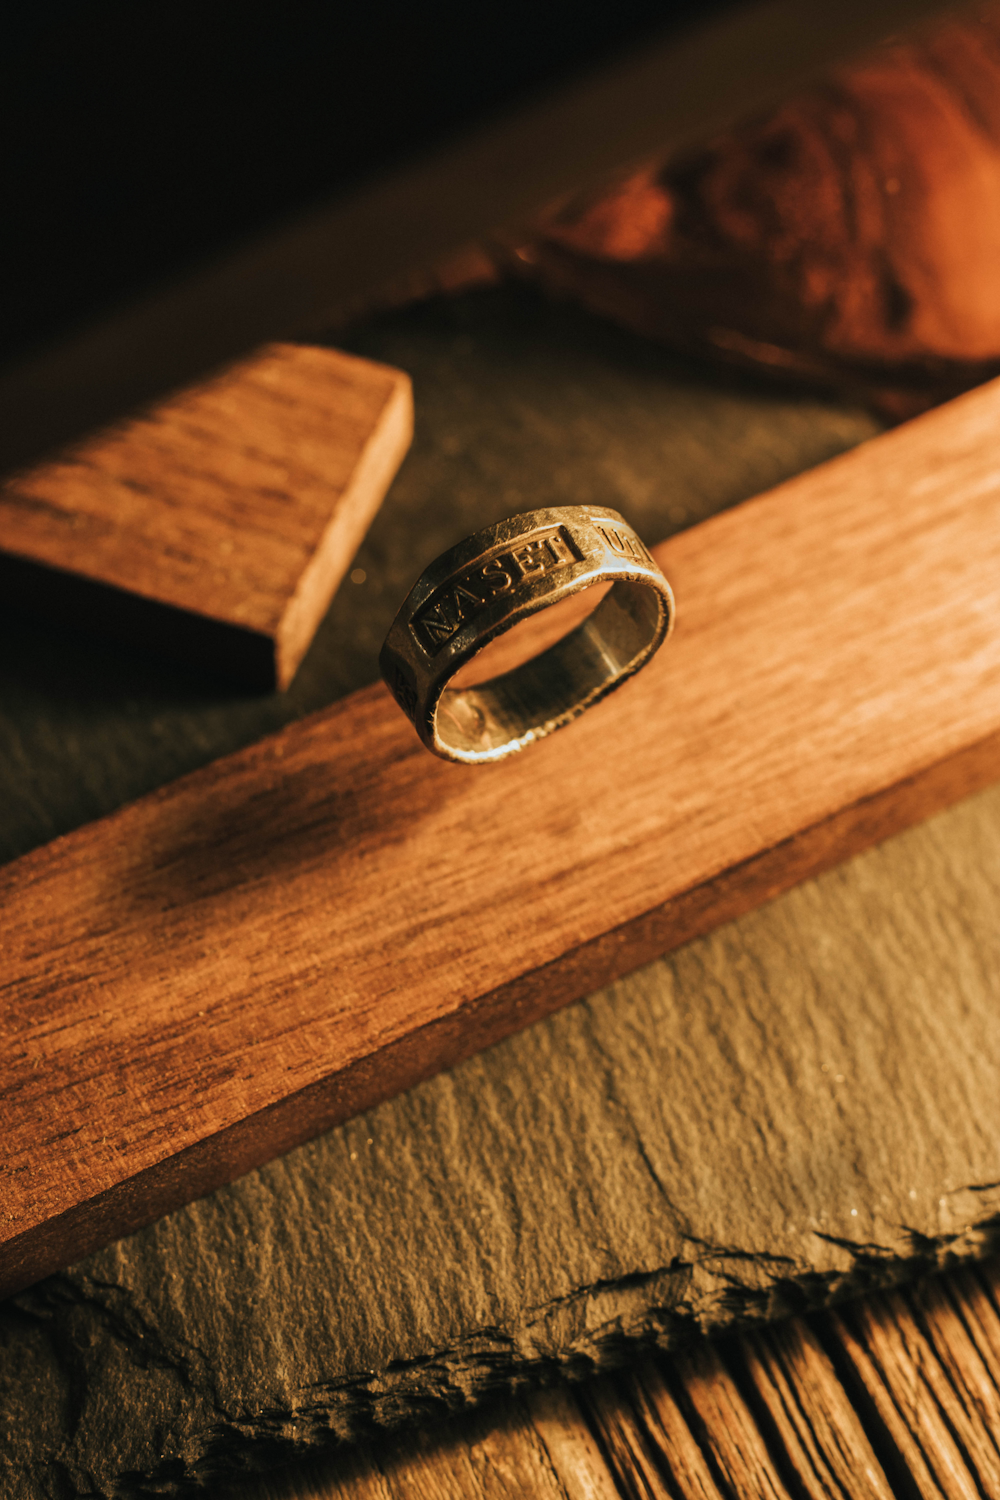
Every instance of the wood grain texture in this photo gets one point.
(650, 1447)
(220, 522)
(810, 1415)
(927, 1364)
(570, 1443)
(726, 1428)
(278, 941)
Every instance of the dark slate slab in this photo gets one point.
(798, 1106)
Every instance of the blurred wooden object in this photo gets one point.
(810, 1409)
(217, 526)
(282, 939)
(849, 237)
(253, 202)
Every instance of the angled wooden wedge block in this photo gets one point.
(217, 526)
(286, 937)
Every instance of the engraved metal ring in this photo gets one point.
(492, 581)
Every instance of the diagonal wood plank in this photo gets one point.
(633, 1460)
(725, 1426)
(820, 1433)
(217, 525)
(651, 1449)
(926, 1363)
(962, 1374)
(892, 1362)
(571, 1447)
(278, 941)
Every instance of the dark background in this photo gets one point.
(140, 139)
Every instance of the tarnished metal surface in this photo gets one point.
(493, 581)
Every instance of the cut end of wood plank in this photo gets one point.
(383, 452)
(215, 528)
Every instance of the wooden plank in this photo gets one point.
(964, 1373)
(725, 1426)
(218, 525)
(890, 1358)
(928, 1364)
(629, 1454)
(811, 1416)
(499, 1456)
(650, 1448)
(572, 1450)
(282, 939)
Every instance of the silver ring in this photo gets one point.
(490, 582)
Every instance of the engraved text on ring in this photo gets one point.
(468, 593)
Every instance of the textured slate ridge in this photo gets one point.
(665, 1156)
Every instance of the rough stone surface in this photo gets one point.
(799, 1105)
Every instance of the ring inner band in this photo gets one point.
(554, 687)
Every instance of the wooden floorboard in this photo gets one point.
(649, 1446)
(805, 1408)
(905, 1358)
(913, 1414)
(274, 943)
